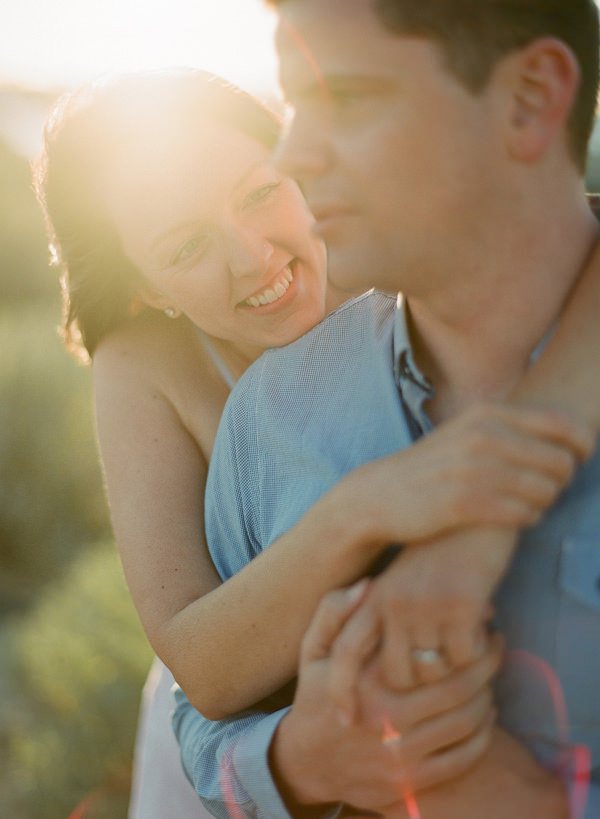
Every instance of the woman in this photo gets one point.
(161, 201)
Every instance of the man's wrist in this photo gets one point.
(287, 771)
(292, 778)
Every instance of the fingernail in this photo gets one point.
(355, 592)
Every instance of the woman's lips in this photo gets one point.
(273, 292)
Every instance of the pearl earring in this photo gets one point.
(170, 312)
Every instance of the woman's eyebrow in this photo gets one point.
(247, 175)
(182, 227)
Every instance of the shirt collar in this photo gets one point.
(415, 387)
(405, 366)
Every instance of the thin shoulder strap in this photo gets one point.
(217, 360)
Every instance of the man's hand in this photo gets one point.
(506, 783)
(432, 734)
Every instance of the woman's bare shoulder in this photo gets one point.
(148, 345)
(152, 359)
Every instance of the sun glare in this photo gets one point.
(65, 42)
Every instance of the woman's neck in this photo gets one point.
(236, 357)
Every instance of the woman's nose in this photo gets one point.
(249, 254)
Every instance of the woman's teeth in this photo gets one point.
(273, 293)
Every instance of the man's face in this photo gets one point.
(392, 152)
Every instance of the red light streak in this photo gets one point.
(575, 765)
(392, 739)
(225, 777)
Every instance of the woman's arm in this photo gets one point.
(158, 404)
(443, 591)
(563, 377)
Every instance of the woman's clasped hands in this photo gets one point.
(404, 741)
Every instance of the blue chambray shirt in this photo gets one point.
(299, 420)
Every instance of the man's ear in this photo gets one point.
(544, 79)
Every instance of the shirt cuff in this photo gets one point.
(251, 765)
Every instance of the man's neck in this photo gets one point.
(475, 341)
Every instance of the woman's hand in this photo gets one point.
(425, 615)
(403, 740)
(494, 464)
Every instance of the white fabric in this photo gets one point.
(160, 789)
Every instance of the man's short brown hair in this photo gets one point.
(474, 34)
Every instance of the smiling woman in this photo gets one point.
(160, 193)
(161, 204)
(232, 212)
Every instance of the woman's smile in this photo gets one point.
(273, 292)
(246, 267)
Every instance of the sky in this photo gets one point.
(45, 43)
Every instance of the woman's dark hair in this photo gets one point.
(82, 135)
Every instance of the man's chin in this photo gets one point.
(351, 267)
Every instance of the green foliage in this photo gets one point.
(51, 496)
(24, 272)
(73, 655)
(76, 665)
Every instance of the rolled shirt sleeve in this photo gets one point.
(227, 761)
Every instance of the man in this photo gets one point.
(441, 147)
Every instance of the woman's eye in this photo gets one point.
(260, 194)
(190, 248)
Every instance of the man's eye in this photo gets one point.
(260, 194)
(343, 99)
(190, 248)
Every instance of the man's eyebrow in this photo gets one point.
(332, 83)
(358, 82)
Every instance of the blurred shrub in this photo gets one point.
(51, 496)
(24, 273)
(76, 663)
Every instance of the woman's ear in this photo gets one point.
(544, 79)
(136, 306)
(147, 296)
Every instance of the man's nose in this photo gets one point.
(249, 253)
(304, 151)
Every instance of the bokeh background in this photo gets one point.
(72, 655)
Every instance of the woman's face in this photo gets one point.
(220, 235)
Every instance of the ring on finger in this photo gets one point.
(427, 656)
